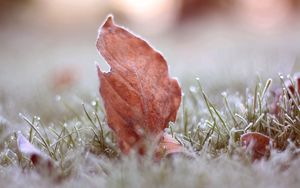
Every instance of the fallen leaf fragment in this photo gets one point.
(258, 144)
(41, 161)
(168, 146)
(140, 98)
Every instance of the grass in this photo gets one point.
(209, 126)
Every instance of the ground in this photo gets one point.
(226, 93)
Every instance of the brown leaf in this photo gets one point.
(140, 98)
(257, 143)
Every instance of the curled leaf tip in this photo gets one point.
(98, 70)
(109, 21)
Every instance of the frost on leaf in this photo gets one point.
(41, 161)
(140, 98)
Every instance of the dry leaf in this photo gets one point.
(41, 161)
(140, 98)
(257, 143)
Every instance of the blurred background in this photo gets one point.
(226, 43)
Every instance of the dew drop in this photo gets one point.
(193, 89)
(57, 97)
(93, 103)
